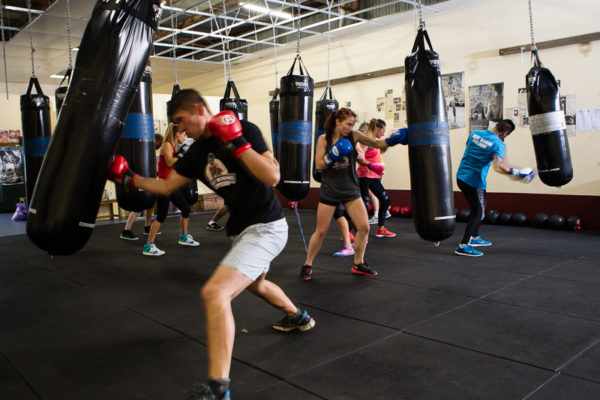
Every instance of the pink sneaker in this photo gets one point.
(345, 251)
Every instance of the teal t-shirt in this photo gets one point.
(481, 148)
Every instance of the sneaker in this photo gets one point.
(351, 236)
(479, 242)
(152, 250)
(200, 391)
(213, 226)
(345, 251)
(373, 220)
(383, 232)
(306, 272)
(467, 251)
(302, 322)
(147, 231)
(387, 214)
(128, 235)
(363, 269)
(187, 240)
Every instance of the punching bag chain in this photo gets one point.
(174, 40)
(329, 5)
(227, 55)
(299, 16)
(533, 47)
(69, 45)
(273, 21)
(421, 21)
(300, 226)
(31, 38)
(4, 48)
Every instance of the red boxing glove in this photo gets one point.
(119, 171)
(377, 168)
(228, 128)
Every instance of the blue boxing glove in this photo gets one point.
(399, 136)
(524, 174)
(337, 151)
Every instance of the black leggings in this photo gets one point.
(178, 200)
(477, 199)
(374, 184)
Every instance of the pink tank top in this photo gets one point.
(163, 167)
(371, 156)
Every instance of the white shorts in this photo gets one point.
(254, 249)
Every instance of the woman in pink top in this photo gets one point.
(370, 171)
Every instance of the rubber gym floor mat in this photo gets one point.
(566, 387)
(529, 336)
(108, 322)
(409, 367)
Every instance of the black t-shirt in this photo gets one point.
(249, 200)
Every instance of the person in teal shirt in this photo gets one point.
(483, 148)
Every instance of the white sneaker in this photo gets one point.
(373, 220)
(387, 214)
(152, 250)
(187, 240)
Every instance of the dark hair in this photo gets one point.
(505, 125)
(329, 126)
(185, 99)
(375, 123)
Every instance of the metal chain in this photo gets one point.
(69, 34)
(174, 41)
(329, 6)
(4, 48)
(227, 31)
(31, 38)
(274, 44)
(421, 21)
(533, 46)
(299, 19)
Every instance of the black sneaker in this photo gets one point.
(147, 231)
(213, 226)
(200, 391)
(128, 235)
(306, 272)
(302, 322)
(363, 269)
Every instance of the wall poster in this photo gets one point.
(485, 105)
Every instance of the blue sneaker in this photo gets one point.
(201, 391)
(479, 242)
(467, 251)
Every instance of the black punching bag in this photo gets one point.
(548, 126)
(236, 104)
(274, 117)
(428, 144)
(295, 133)
(112, 57)
(137, 146)
(61, 91)
(325, 106)
(35, 122)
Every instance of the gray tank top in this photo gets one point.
(339, 183)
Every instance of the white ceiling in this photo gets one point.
(50, 35)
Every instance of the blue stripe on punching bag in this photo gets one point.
(138, 126)
(296, 132)
(427, 133)
(37, 146)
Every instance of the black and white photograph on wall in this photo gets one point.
(454, 93)
(522, 106)
(512, 113)
(567, 104)
(485, 105)
(380, 102)
(11, 165)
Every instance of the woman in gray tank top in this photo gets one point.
(335, 157)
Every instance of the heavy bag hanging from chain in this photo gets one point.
(274, 117)
(428, 143)
(295, 132)
(61, 91)
(35, 122)
(112, 57)
(137, 146)
(236, 104)
(547, 125)
(325, 106)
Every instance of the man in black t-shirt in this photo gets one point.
(230, 157)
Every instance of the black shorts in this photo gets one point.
(335, 203)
